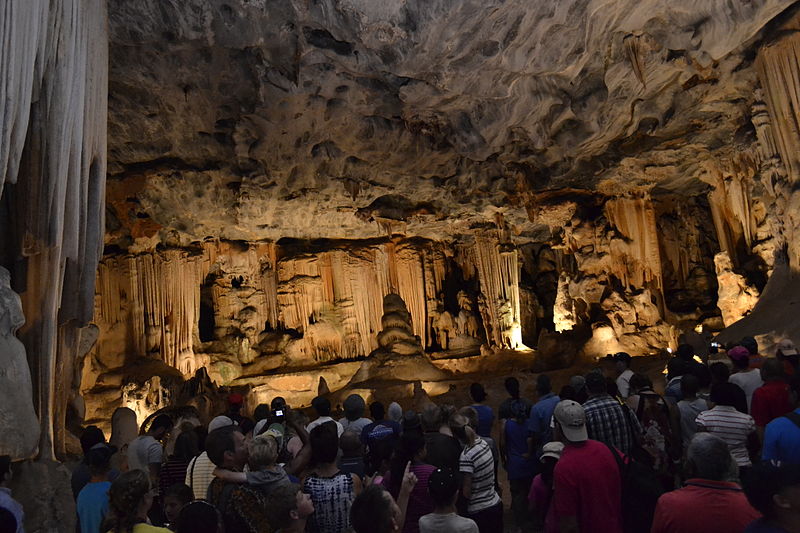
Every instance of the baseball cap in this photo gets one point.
(572, 419)
(552, 449)
(219, 422)
(738, 353)
(786, 347)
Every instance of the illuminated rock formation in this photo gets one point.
(736, 297)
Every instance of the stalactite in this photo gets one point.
(54, 64)
(636, 258)
(731, 202)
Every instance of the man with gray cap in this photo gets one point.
(200, 472)
(587, 483)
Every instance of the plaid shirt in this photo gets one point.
(607, 421)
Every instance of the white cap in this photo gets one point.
(219, 422)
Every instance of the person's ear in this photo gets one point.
(294, 515)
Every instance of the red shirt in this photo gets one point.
(770, 401)
(588, 486)
(702, 506)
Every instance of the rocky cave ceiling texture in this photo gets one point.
(266, 119)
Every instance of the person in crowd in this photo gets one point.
(689, 407)
(512, 388)
(199, 517)
(540, 496)
(660, 423)
(443, 486)
(261, 412)
(8, 522)
(375, 510)
(773, 398)
(92, 503)
(520, 464)
(754, 357)
(395, 413)
(235, 404)
(6, 500)
(541, 413)
(485, 413)
(322, 406)
(411, 422)
(746, 377)
(476, 465)
(175, 497)
(354, 419)
(352, 457)
(145, 452)
(587, 483)
(265, 474)
(200, 471)
(622, 363)
(782, 435)
(331, 490)
(607, 420)
(720, 373)
(578, 384)
(91, 436)
(129, 499)
(709, 501)
(242, 507)
(289, 507)
(411, 450)
(472, 418)
(246, 426)
(442, 450)
(786, 353)
(174, 470)
(676, 369)
(693, 366)
(568, 393)
(379, 437)
(774, 491)
(738, 430)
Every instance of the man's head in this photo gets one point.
(512, 387)
(90, 436)
(543, 384)
(160, 427)
(98, 459)
(719, 372)
(278, 402)
(786, 348)
(324, 443)
(350, 444)
(219, 422)
(377, 411)
(708, 457)
(287, 504)
(235, 402)
(685, 352)
(443, 485)
(477, 392)
(175, 497)
(596, 383)
(622, 361)
(751, 345)
(740, 357)
(431, 418)
(724, 394)
(677, 367)
(772, 370)
(263, 452)
(354, 407)
(774, 491)
(321, 405)
(690, 385)
(570, 421)
(375, 511)
(639, 382)
(226, 448)
(261, 412)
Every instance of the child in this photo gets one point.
(443, 486)
(265, 474)
(288, 508)
(92, 501)
(175, 497)
(541, 493)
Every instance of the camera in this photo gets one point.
(277, 416)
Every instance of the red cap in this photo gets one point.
(235, 399)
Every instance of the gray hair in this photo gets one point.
(710, 458)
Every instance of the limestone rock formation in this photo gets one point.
(397, 336)
(736, 297)
(16, 394)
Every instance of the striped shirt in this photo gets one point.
(730, 425)
(477, 460)
(610, 422)
(199, 475)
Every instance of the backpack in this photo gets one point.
(641, 489)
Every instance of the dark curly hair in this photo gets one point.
(124, 497)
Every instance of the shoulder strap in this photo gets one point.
(617, 458)
(794, 417)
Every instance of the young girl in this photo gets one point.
(541, 494)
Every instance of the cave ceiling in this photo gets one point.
(267, 119)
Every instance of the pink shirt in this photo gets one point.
(540, 497)
(588, 486)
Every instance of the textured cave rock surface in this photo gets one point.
(256, 119)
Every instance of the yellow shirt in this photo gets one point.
(147, 528)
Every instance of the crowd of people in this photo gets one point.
(718, 451)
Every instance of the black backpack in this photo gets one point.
(641, 489)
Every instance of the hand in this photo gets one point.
(218, 472)
(409, 480)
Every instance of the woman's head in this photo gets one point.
(187, 445)
(324, 443)
(129, 499)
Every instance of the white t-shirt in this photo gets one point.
(446, 523)
(624, 383)
(144, 451)
(356, 425)
(322, 420)
(749, 381)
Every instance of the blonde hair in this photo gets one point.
(263, 452)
